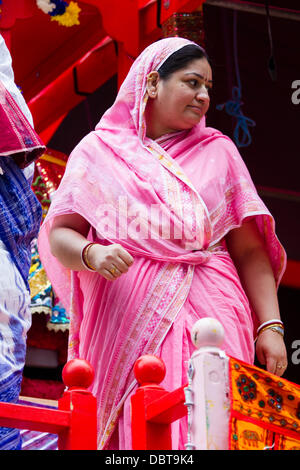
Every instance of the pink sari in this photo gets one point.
(170, 203)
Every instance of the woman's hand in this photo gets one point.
(271, 351)
(68, 237)
(110, 261)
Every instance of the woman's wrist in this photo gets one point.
(273, 321)
(85, 259)
(275, 325)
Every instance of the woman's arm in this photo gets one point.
(248, 253)
(67, 240)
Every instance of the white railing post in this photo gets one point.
(207, 395)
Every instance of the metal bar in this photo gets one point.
(34, 418)
(167, 408)
(255, 8)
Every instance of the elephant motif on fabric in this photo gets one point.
(251, 438)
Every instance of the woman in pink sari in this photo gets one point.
(156, 224)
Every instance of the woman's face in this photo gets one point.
(179, 101)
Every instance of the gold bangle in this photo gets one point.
(278, 329)
(84, 257)
(270, 323)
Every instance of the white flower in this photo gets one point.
(45, 5)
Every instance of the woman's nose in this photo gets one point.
(202, 93)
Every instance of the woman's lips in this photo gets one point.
(196, 109)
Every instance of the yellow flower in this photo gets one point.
(70, 17)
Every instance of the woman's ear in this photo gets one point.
(152, 83)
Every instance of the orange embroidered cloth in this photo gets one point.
(265, 410)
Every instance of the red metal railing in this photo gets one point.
(77, 411)
(204, 400)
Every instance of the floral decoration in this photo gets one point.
(65, 13)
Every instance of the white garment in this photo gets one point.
(15, 321)
(15, 316)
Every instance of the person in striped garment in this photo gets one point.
(20, 218)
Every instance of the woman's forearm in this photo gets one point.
(258, 280)
(251, 260)
(68, 237)
(66, 245)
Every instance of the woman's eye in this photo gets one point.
(193, 82)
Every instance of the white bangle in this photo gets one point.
(269, 322)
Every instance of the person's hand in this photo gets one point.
(110, 261)
(271, 352)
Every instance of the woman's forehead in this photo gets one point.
(199, 67)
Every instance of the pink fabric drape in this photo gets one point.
(18, 138)
(170, 203)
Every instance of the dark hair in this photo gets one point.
(179, 59)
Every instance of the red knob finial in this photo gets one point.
(149, 369)
(78, 373)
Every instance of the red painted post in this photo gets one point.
(81, 434)
(153, 409)
(149, 372)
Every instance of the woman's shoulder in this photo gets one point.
(85, 147)
(223, 145)
(88, 139)
(225, 152)
(218, 139)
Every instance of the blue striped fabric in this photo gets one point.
(35, 440)
(10, 439)
(20, 215)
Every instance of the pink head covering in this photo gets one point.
(128, 109)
